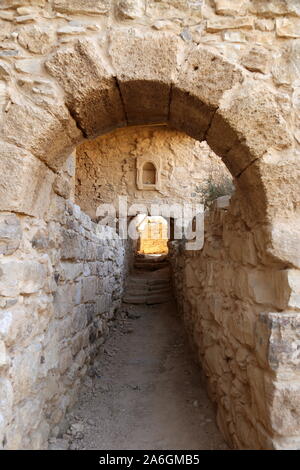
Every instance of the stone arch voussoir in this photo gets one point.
(150, 79)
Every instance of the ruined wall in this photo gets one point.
(107, 168)
(225, 294)
(60, 289)
(143, 62)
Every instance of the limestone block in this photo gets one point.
(103, 303)
(36, 38)
(71, 271)
(256, 60)
(24, 371)
(285, 241)
(230, 7)
(89, 289)
(267, 176)
(264, 25)
(214, 359)
(29, 66)
(277, 340)
(26, 19)
(10, 233)
(48, 136)
(285, 68)
(91, 91)
(250, 115)
(241, 324)
(288, 28)
(145, 83)
(214, 26)
(274, 287)
(203, 79)
(256, 377)
(63, 301)
(65, 360)
(291, 287)
(62, 186)
(284, 399)
(6, 398)
(12, 321)
(130, 9)
(77, 343)
(21, 277)
(86, 7)
(90, 311)
(71, 30)
(275, 7)
(234, 36)
(72, 246)
(3, 354)
(25, 182)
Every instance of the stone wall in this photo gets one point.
(61, 285)
(107, 168)
(219, 70)
(242, 318)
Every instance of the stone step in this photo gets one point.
(158, 299)
(134, 299)
(147, 299)
(146, 292)
(150, 266)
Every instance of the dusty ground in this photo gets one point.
(147, 393)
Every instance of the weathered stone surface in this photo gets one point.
(62, 186)
(145, 83)
(71, 30)
(22, 3)
(277, 339)
(6, 398)
(268, 175)
(25, 182)
(92, 7)
(24, 371)
(91, 92)
(230, 7)
(250, 124)
(3, 354)
(203, 79)
(36, 39)
(34, 129)
(256, 60)
(21, 277)
(10, 234)
(130, 9)
(275, 7)
(30, 66)
(224, 302)
(207, 76)
(229, 23)
(286, 28)
(285, 68)
(285, 240)
(271, 288)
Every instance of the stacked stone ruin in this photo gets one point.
(222, 71)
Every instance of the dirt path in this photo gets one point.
(147, 393)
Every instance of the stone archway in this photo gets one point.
(154, 79)
(190, 88)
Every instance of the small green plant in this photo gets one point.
(214, 189)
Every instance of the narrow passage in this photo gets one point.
(146, 392)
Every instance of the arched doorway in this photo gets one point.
(209, 98)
